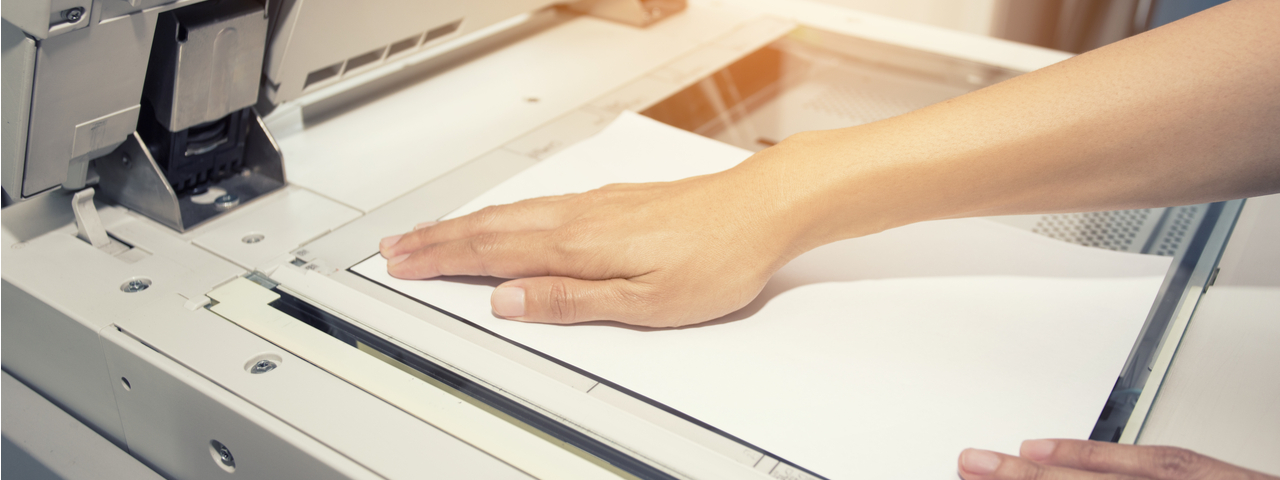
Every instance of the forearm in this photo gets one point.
(1186, 113)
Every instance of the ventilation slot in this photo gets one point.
(443, 30)
(354, 63)
(403, 45)
(1121, 230)
(1178, 229)
(860, 104)
(322, 75)
(374, 56)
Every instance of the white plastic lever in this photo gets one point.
(88, 224)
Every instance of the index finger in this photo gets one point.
(528, 215)
(503, 255)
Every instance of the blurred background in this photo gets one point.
(1070, 25)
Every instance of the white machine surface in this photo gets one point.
(209, 324)
(851, 347)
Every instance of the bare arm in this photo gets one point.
(1187, 113)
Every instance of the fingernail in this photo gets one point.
(508, 302)
(395, 260)
(1038, 450)
(389, 242)
(423, 225)
(979, 462)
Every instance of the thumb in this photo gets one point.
(564, 300)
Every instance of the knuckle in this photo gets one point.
(605, 193)
(575, 240)
(614, 189)
(1033, 472)
(1014, 468)
(480, 248)
(1091, 454)
(561, 303)
(485, 217)
(593, 196)
(1174, 462)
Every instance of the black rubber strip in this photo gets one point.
(632, 393)
(350, 334)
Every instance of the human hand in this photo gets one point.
(656, 254)
(1082, 460)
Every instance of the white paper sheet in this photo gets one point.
(877, 357)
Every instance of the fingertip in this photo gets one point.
(393, 262)
(389, 241)
(1037, 450)
(396, 260)
(508, 302)
(384, 245)
(979, 462)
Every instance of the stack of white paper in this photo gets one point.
(878, 357)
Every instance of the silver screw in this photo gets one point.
(73, 15)
(136, 285)
(226, 201)
(263, 366)
(224, 454)
(253, 238)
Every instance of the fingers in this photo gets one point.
(566, 300)
(1080, 459)
(534, 214)
(1160, 463)
(504, 255)
(983, 465)
(539, 213)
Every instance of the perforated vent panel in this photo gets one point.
(1158, 231)
(1178, 228)
(1117, 230)
(860, 104)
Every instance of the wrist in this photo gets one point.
(832, 185)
